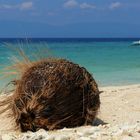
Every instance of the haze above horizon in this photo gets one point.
(69, 18)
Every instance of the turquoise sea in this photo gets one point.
(112, 62)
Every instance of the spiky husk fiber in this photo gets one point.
(55, 93)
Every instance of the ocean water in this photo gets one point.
(112, 62)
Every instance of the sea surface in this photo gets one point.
(112, 62)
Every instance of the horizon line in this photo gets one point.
(69, 37)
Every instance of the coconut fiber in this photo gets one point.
(53, 94)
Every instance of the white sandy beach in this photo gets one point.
(118, 119)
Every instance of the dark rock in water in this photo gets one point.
(53, 94)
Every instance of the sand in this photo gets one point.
(118, 119)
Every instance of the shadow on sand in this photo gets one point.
(98, 122)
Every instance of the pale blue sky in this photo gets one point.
(69, 18)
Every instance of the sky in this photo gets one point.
(69, 18)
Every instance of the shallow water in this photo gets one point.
(112, 62)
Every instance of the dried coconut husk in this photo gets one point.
(53, 94)
(50, 94)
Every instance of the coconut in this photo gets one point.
(53, 94)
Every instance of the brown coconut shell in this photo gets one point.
(53, 94)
